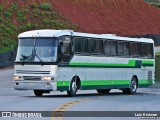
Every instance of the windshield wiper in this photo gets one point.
(34, 52)
(31, 58)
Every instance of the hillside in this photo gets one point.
(122, 17)
(17, 17)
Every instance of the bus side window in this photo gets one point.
(96, 46)
(126, 49)
(92, 45)
(147, 50)
(113, 48)
(65, 50)
(120, 48)
(107, 48)
(150, 50)
(77, 44)
(110, 48)
(99, 47)
(135, 49)
(80, 45)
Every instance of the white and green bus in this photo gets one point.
(64, 60)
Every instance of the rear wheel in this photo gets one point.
(133, 87)
(73, 88)
(103, 91)
(38, 93)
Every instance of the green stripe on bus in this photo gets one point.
(105, 82)
(130, 64)
(147, 63)
(145, 82)
(91, 87)
(102, 84)
(63, 83)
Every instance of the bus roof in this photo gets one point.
(45, 33)
(58, 33)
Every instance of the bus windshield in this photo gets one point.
(37, 50)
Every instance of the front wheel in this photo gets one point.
(73, 89)
(133, 87)
(38, 93)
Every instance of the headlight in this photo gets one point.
(16, 77)
(47, 78)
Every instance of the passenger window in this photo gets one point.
(120, 48)
(110, 48)
(123, 48)
(107, 48)
(147, 50)
(77, 44)
(80, 45)
(95, 46)
(84, 45)
(65, 44)
(150, 50)
(67, 49)
(135, 49)
(113, 48)
(126, 49)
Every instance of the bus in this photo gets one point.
(64, 60)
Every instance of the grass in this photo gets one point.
(16, 19)
(157, 53)
(6, 49)
(7, 14)
(45, 6)
(157, 67)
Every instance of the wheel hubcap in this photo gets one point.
(74, 87)
(134, 86)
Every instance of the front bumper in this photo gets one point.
(35, 85)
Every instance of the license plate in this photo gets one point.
(31, 84)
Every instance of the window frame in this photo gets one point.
(101, 48)
(116, 53)
(147, 56)
(80, 53)
(137, 55)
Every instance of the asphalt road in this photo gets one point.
(146, 99)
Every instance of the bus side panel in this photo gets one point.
(104, 73)
(96, 78)
(66, 74)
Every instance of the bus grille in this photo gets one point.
(32, 72)
(149, 75)
(31, 78)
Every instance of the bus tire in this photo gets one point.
(38, 93)
(103, 91)
(73, 88)
(133, 87)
